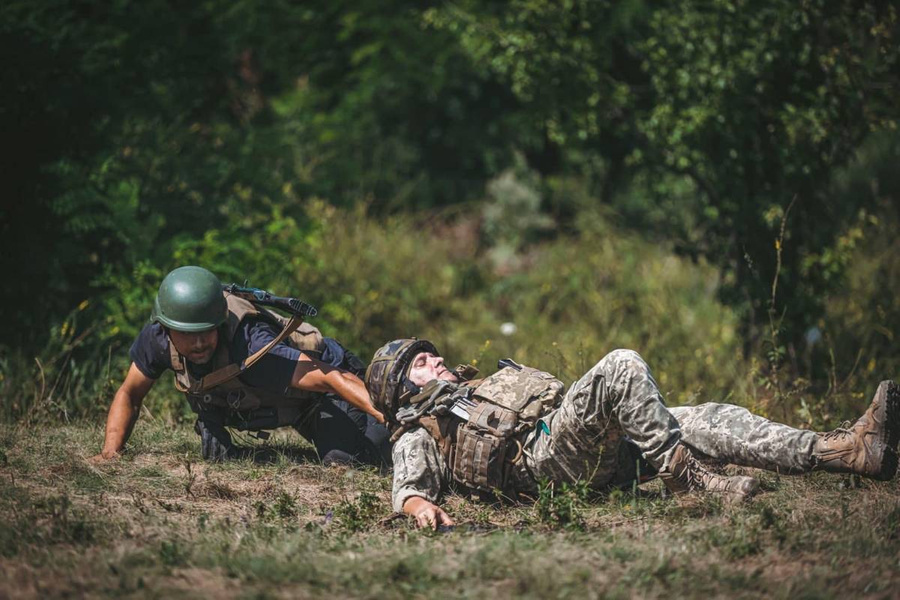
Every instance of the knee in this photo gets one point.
(623, 370)
(337, 457)
(624, 354)
(624, 358)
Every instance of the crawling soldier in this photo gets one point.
(303, 379)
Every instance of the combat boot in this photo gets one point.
(684, 473)
(869, 446)
(215, 441)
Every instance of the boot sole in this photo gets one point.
(891, 393)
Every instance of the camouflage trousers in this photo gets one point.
(618, 401)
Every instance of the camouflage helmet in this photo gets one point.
(190, 299)
(386, 376)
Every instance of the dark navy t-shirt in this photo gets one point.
(150, 352)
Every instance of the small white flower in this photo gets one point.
(508, 328)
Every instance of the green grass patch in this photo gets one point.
(245, 528)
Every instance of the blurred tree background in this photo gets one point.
(713, 183)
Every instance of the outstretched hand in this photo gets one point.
(427, 514)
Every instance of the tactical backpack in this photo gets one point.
(479, 425)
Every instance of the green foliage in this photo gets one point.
(512, 217)
(359, 514)
(702, 120)
(172, 554)
(285, 506)
(73, 363)
(577, 299)
(618, 174)
(861, 324)
(604, 290)
(560, 505)
(571, 300)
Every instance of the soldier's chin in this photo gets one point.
(200, 358)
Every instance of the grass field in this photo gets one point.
(160, 523)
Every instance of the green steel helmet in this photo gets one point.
(386, 376)
(190, 299)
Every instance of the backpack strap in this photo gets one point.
(231, 371)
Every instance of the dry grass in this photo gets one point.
(161, 523)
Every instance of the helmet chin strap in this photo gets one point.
(411, 389)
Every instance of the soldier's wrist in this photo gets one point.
(110, 454)
(414, 504)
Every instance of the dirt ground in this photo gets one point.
(159, 522)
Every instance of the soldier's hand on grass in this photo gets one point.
(426, 513)
(103, 458)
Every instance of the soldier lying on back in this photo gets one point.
(508, 431)
(305, 380)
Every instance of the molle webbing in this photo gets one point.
(482, 448)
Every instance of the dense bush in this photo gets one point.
(713, 183)
(570, 300)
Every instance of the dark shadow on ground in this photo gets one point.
(265, 455)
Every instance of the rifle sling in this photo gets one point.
(228, 373)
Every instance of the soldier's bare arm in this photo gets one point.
(123, 412)
(315, 376)
(426, 513)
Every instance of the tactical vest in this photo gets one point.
(234, 394)
(480, 425)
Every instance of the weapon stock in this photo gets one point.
(257, 296)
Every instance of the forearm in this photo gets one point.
(314, 376)
(351, 388)
(123, 413)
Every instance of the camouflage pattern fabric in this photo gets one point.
(618, 397)
(735, 435)
(419, 468)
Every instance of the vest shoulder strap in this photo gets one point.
(184, 382)
(231, 371)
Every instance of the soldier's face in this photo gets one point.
(427, 367)
(197, 347)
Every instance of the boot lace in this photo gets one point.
(698, 476)
(838, 432)
(692, 474)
